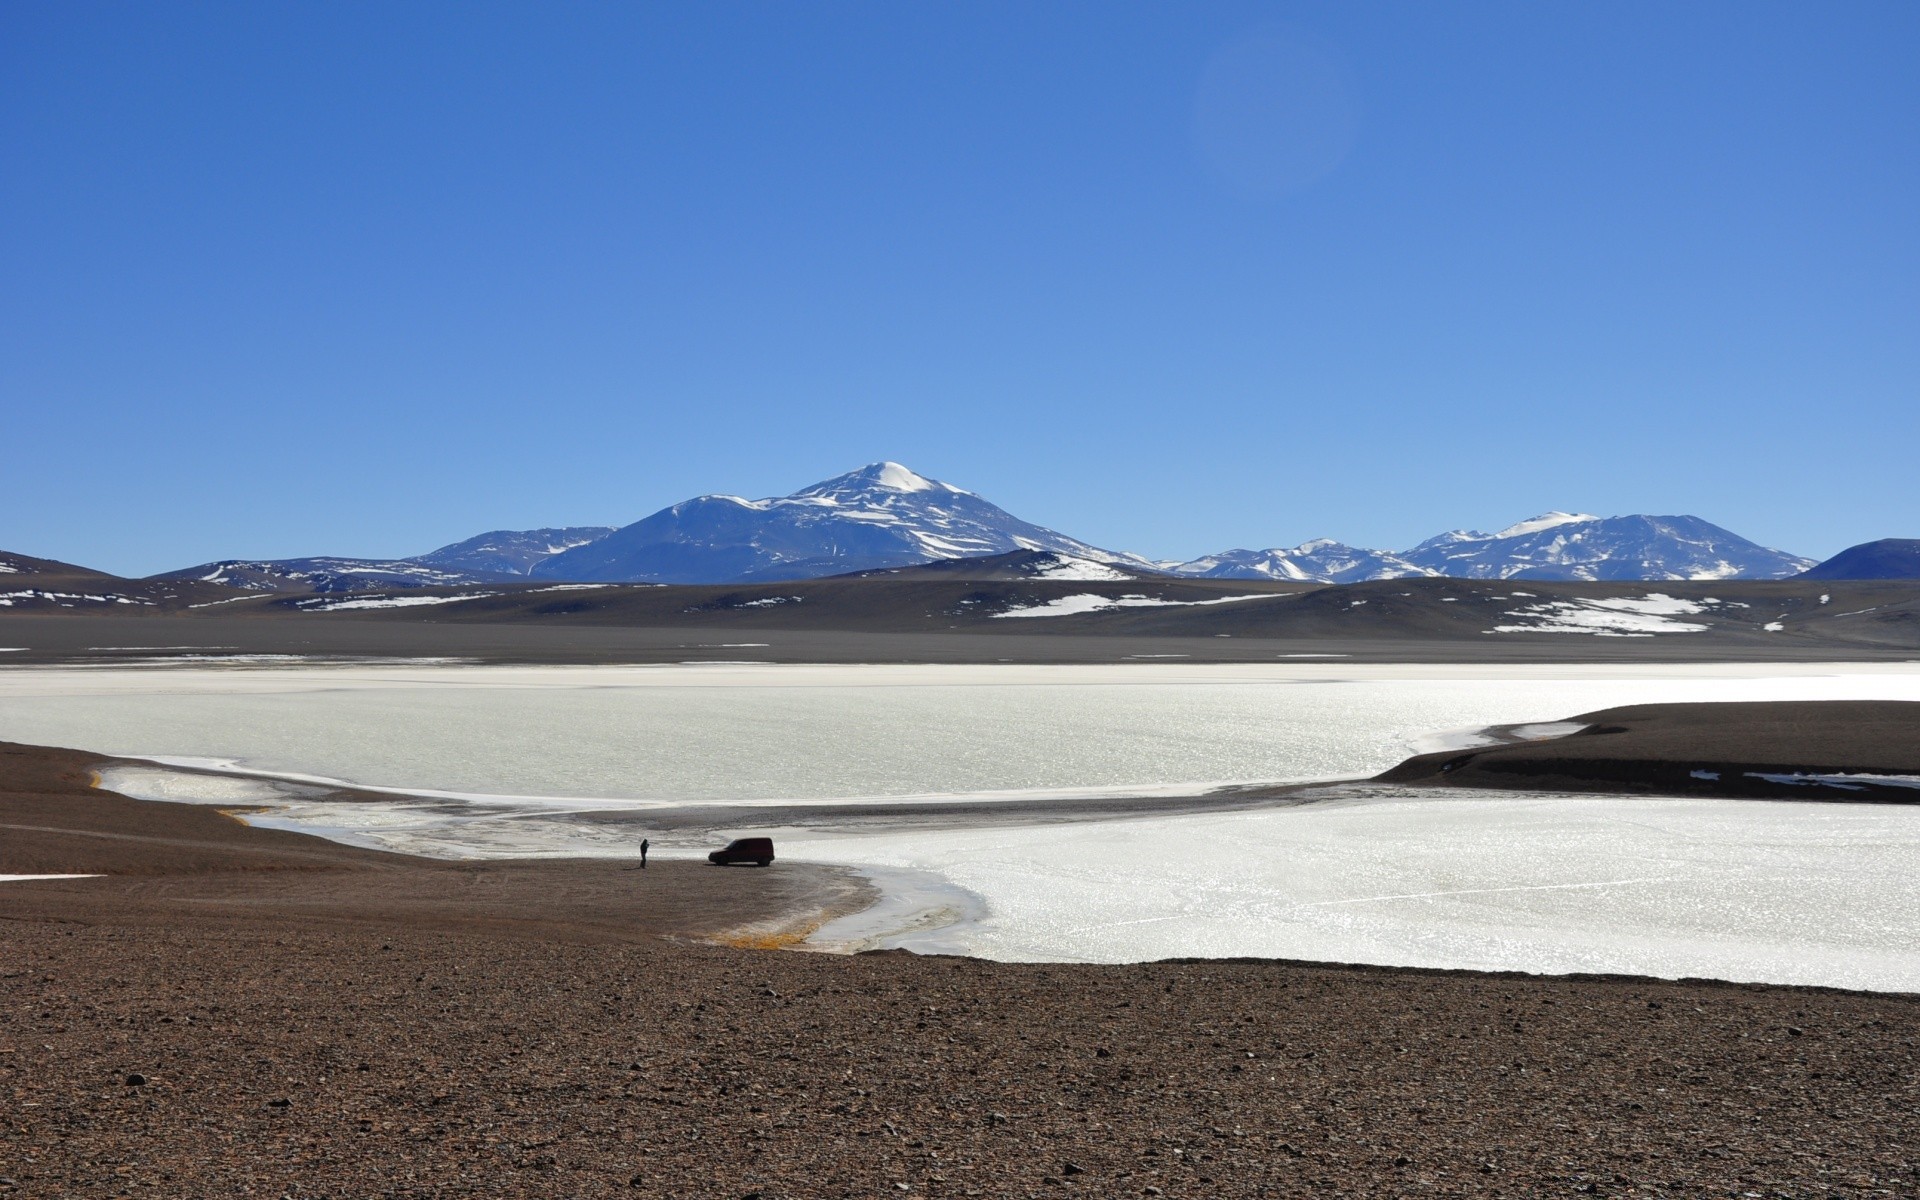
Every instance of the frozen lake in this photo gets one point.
(746, 733)
(542, 760)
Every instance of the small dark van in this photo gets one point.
(755, 850)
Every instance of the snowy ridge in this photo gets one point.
(1322, 560)
(1554, 545)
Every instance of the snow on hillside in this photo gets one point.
(1576, 547)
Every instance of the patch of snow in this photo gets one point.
(217, 603)
(1709, 776)
(1773, 627)
(1545, 730)
(1544, 521)
(18, 878)
(1609, 616)
(330, 605)
(1087, 602)
(1080, 570)
(770, 601)
(66, 599)
(1851, 781)
(900, 479)
(1825, 598)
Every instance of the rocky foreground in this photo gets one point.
(206, 1030)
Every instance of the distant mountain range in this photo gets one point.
(886, 516)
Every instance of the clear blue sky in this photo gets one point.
(367, 278)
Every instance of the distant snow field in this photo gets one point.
(328, 604)
(1087, 602)
(1611, 616)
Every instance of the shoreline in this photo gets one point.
(927, 909)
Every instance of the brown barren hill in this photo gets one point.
(1705, 750)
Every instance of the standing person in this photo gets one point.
(643, 854)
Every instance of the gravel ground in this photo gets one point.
(183, 1037)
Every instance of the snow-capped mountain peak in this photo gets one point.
(882, 515)
(1551, 520)
(874, 478)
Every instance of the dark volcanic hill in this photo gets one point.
(882, 515)
(29, 584)
(1888, 558)
(14, 568)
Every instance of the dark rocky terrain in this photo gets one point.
(1784, 750)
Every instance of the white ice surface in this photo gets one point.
(1776, 892)
(726, 733)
